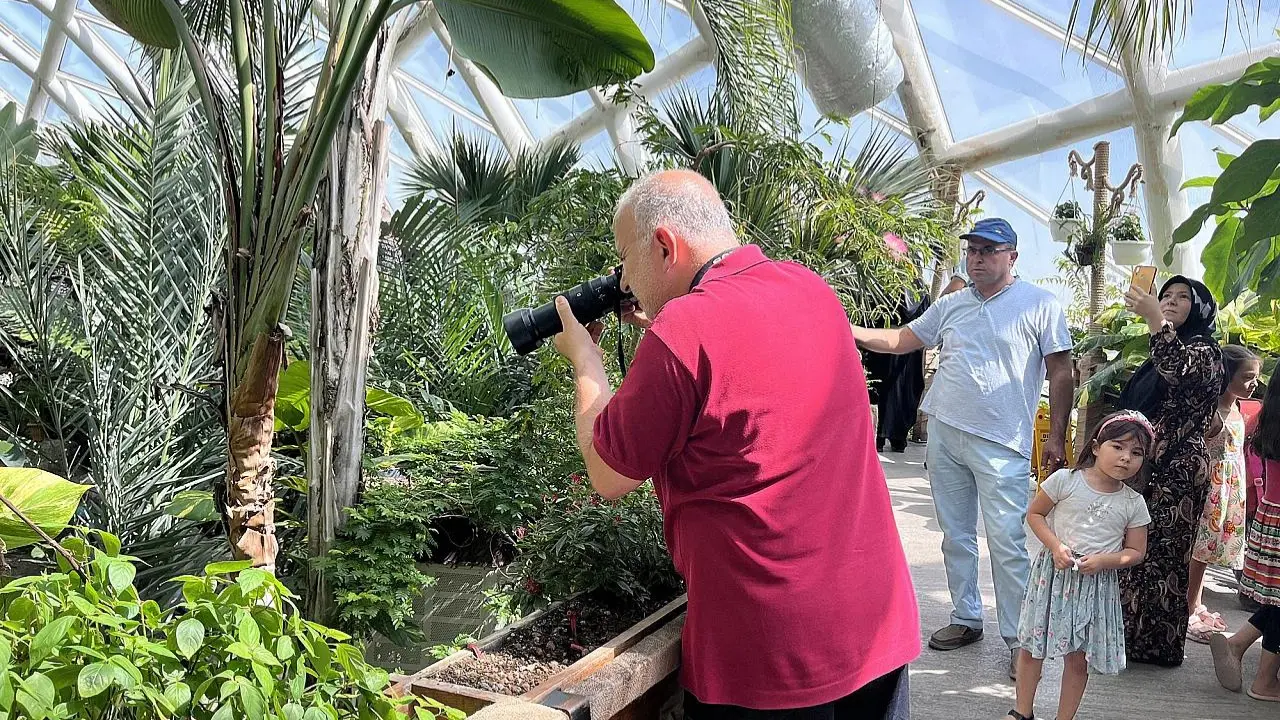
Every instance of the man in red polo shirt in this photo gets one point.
(747, 406)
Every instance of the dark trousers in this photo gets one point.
(887, 697)
(1268, 621)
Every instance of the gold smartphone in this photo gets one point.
(1144, 278)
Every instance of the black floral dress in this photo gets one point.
(1154, 593)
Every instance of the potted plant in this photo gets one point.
(1067, 223)
(1129, 246)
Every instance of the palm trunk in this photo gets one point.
(344, 300)
(250, 428)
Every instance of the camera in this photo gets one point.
(527, 328)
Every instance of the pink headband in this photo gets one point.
(1132, 416)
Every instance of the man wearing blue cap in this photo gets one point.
(999, 337)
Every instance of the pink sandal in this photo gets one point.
(1198, 631)
(1212, 620)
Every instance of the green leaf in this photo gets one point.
(44, 498)
(37, 694)
(226, 712)
(11, 455)
(120, 574)
(293, 398)
(255, 705)
(130, 676)
(292, 711)
(548, 48)
(315, 713)
(110, 543)
(193, 505)
(284, 648)
(398, 408)
(1202, 181)
(1246, 175)
(1219, 256)
(189, 636)
(248, 631)
(1263, 221)
(146, 21)
(179, 694)
(251, 579)
(49, 637)
(95, 679)
(1202, 105)
(228, 567)
(1191, 226)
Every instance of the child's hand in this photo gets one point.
(1062, 558)
(1092, 565)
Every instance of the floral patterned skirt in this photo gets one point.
(1220, 535)
(1066, 611)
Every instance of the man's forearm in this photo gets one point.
(1061, 392)
(592, 393)
(889, 342)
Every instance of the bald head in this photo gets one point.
(683, 202)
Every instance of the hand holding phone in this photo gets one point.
(1143, 278)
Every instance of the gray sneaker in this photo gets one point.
(954, 637)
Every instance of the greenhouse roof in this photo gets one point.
(995, 83)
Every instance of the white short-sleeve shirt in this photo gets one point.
(1091, 522)
(991, 370)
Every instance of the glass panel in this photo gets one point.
(666, 27)
(1013, 73)
(1210, 35)
(442, 120)
(430, 65)
(1044, 180)
(597, 153)
(25, 21)
(16, 83)
(75, 62)
(124, 45)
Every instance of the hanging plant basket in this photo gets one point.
(1067, 224)
(1129, 246)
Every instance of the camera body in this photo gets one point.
(528, 328)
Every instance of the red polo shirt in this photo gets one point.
(747, 405)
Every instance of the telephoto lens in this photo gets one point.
(527, 328)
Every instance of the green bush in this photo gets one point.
(234, 647)
(585, 544)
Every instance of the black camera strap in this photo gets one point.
(702, 271)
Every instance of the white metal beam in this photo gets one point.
(1234, 133)
(414, 35)
(627, 145)
(689, 57)
(1093, 117)
(100, 52)
(507, 123)
(67, 98)
(408, 119)
(921, 100)
(55, 42)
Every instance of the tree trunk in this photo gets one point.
(344, 297)
(250, 428)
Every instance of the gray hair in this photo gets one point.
(682, 201)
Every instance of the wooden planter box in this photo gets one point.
(658, 635)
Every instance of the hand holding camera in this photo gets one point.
(577, 342)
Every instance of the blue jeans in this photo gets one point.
(967, 472)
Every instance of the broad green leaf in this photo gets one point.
(110, 543)
(1203, 181)
(1246, 175)
(226, 712)
(284, 648)
(292, 711)
(384, 403)
(189, 636)
(315, 713)
(146, 21)
(193, 505)
(37, 694)
(131, 675)
(248, 632)
(179, 694)
(151, 614)
(293, 398)
(228, 567)
(1202, 105)
(17, 142)
(46, 499)
(251, 579)
(120, 574)
(1263, 221)
(49, 638)
(6, 655)
(255, 705)
(1219, 256)
(1191, 226)
(11, 455)
(547, 48)
(95, 679)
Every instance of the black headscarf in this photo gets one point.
(1146, 390)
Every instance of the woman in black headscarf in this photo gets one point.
(1177, 389)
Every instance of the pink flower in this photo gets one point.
(878, 197)
(895, 244)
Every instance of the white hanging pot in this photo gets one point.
(1065, 230)
(1130, 252)
(845, 54)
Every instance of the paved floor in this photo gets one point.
(972, 682)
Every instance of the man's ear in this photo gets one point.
(666, 241)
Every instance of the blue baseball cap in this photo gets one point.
(996, 230)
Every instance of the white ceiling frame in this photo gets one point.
(99, 51)
(27, 60)
(1094, 116)
(55, 42)
(408, 119)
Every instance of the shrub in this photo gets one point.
(234, 647)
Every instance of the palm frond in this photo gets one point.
(755, 62)
(1150, 27)
(472, 175)
(884, 165)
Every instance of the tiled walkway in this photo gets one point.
(971, 682)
